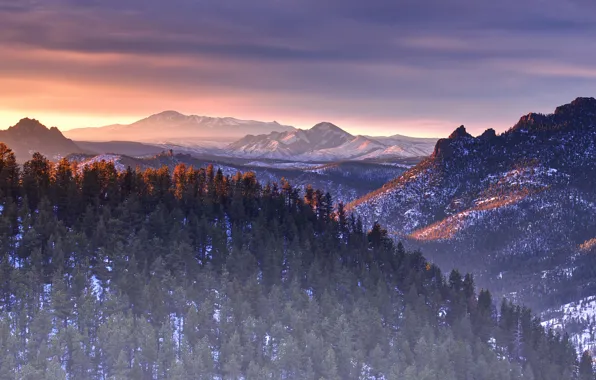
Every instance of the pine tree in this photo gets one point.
(329, 366)
(200, 362)
(8, 349)
(586, 369)
(9, 175)
(518, 340)
(37, 174)
(61, 302)
(121, 368)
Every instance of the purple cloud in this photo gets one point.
(461, 60)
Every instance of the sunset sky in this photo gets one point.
(416, 67)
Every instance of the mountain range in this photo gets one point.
(327, 142)
(220, 137)
(517, 209)
(174, 127)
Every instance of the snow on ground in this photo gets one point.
(96, 286)
(581, 309)
(397, 165)
(578, 316)
(115, 159)
(283, 165)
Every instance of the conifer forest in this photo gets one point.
(190, 274)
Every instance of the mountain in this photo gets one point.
(174, 127)
(517, 209)
(29, 136)
(402, 146)
(327, 142)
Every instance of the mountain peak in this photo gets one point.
(445, 147)
(459, 132)
(173, 126)
(29, 125)
(29, 135)
(330, 129)
(326, 126)
(580, 113)
(169, 114)
(579, 105)
(488, 134)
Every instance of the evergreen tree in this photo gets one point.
(586, 368)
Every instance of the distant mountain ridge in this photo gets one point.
(172, 126)
(29, 136)
(255, 139)
(198, 135)
(327, 142)
(517, 208)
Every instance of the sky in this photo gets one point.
(380, 67)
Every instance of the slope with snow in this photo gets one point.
(327, 142)
(111, 158)
(517, 209)
(577, 318)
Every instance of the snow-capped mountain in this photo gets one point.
(327, 142)
(518, 209)
(29, 136)
(174, 127)
(406, 146)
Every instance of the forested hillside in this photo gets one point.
(518, 209)
(345, 181)
(191, 274)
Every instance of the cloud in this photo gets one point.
(350, 59)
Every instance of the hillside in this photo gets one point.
(328, 142)
(516, 208)
(346, 181)
(191, 274)
(176, 128)
(29, 136)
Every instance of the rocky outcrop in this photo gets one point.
(579, 114)
(445, 147)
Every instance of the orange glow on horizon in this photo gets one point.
(66, 121)
(89, 95)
